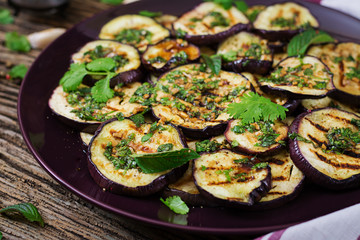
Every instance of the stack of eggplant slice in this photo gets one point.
(161, 94)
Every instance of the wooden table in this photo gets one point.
(22, 179)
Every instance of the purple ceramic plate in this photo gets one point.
(59, 149)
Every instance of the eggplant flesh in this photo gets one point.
(129, 179)
(231, 179)
(194, 99)
(295, 77)
(326, 149)
(311, 104)
(135, 30)
(246, 52)
(210, 23)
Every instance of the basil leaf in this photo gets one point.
(299, 43)
(112, 2)
(101, 92)
(158, 162)
(176, 204)
(241, 6)
(213, 62)
(101, 64)
(150, 14)
(18, 71)
(5, 16)
(28, 210)
(73, 78)
(17, 42)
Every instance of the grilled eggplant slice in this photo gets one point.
(194, 98)
(80, 111)
(246, 52)
(283, 21)
(127, 59)
(311, 104)
(325, 146)
(343, 59)
(210, 23)
(135, 30)
(112, 167)
(169, 54)
(287, 181)
(231, 179)
(166, 20)
(295, 77)
(260, 138)
(86, 138)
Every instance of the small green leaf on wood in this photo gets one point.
(112, 2)
(5, 16)
(18, 71)
(28, 210)
(17, 42)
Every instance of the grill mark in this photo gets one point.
(342, 81)
(318, 142)
(276, 193)
(339, 118)
(276, 161)
(337, 165)
(280, 178)
(317, 126)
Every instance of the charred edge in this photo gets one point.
(352, 154)
(319, 127)
(337, 165)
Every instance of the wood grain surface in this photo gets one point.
(22, 179)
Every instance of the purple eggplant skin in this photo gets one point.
(261, 67)
(155, 186)
(309, 171)
(277, 47)
(282, 35)
(344, 97)
(291, 105)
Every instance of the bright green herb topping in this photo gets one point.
(157, 59)
(165, 147)
(353, 73)
(342, 139)
(218, 20)
(120, 155)
(284, 22)
(207, 146)
(133, 36)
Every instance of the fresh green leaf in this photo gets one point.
(28, 210)
(213, 62)
(73, 78)
(101, 92)
(18, 71)
(176, 204)
(1, 235)
(241, 6)
(226, 4)
(158, 162)
(101, 64)
(299, 44)
(112, 2)
(5, 16)
(254, 107)
(138, 119)
(17, 42)
(150, 14)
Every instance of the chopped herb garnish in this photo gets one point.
(353, 73)
(342, 139)
(133, 36)
(219, 20)
(260, 165)
(165, 147)
(207, 146)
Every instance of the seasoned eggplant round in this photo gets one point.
(166, 20)
(260, 138)
(210, 23)
(111, 163)
(127, 58)
(80, 111)
(169, 54)
(209, 145)
(343, 59)
(295, 77)
(86, 138)
(311, 104)
(246, 52)
(135, 30)
(283, 21)
(231, 179)
(194, 98)
(325, 146)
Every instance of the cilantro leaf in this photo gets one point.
(226, 4)
(101, 64)
(112, 2)
(101, 92)
(28, 210)
(299, 43)
(18, 71)
(254, 107)
(241, 6)
(17, 42)
(73, 78)
(213, 62)
(150, 14)
(5, 16)
(176, 204)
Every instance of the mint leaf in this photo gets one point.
(28, 210)
(101, 64)
(73, 78)
(241, 6)
(5, 16)
(213, 62)
(299, 43)
(101, 92)
(112, 2)
(18, 71)
(150, 14)
(17, 42)
(176, 204)
(158, 162)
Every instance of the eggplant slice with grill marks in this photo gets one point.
(343, 59)
(80, 111)
(231, 179)
(169, 54)
(311, 104)
(210, 23)
(283, 21)
(114, 169)
(325, 146)
(246, 52)
(260, 138)
(299, 78)
(136, 30)
(193, 98)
